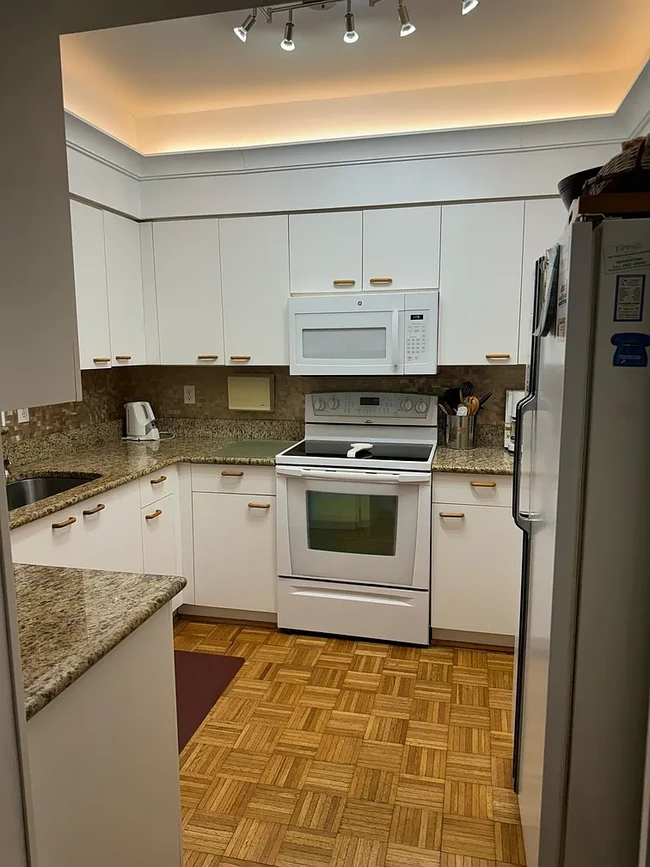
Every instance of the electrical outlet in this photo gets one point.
(2, 418)
(189, 395)
(23, 415)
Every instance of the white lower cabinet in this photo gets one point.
(161, 543)
(476, 569)
(235, 551)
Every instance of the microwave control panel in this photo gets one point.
(416, 336)
(349, 407)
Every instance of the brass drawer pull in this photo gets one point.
(259, 505)
(159, 481)
(381, 281)
(101, 361)
(497, 355)
(231, 474)
(207, 357)
(344, 282)
(153, 515)
(483, 484)
(123, 357)
(240, 357)
(98, 508)
(452, 514)
(68, 523)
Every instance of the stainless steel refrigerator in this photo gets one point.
(13, 764)
(582, 499)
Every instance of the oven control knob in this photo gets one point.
(407, 405)
(421, 406)
(333, 403)
(319, 404)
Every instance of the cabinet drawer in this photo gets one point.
(469, 490)
(233, 478)
(157, 485)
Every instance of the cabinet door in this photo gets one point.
(43, 544)
(255, 278)
(325, 252)
(544, 223)
(110, 536)
(90, 286)
(161, 542)
(476, 567)
(235, 551)
(401, 248)
(124, 280)
(188, 291)
(480, 283)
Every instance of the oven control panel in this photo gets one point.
(378, 407)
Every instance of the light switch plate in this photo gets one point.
(189, 394)
(23, 415)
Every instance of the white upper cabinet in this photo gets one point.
(255, 279)
(401, 248)
(480, 283)
(124, 281)
(90, 286)
(545, 220)
(325, 252)
(188, 291)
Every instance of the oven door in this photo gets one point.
(358, 526)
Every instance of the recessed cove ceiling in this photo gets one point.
(194, 84)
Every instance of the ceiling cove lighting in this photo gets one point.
(407, 26)
(350, 34)
(469, 6)
(243, 31)
(287, 43)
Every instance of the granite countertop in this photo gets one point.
(488, 460)
(69, 619)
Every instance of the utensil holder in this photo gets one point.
(460, 431)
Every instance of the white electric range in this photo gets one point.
(354, 517)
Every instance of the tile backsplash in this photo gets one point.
(106, 391)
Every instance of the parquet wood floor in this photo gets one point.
(326, 752)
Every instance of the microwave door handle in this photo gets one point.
(397, 354)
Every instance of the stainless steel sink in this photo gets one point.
(28, 491)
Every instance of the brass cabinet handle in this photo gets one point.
(240, 357)
(379, 281)
(159, 481)
(483, 484)
(153, 515)
(259, 505)
(98, 508)
(452, 514)
(63, 524)
(207, 357)
(101, 360)
(344, 282)
(123, 357)
(233, 474)
(497, 355)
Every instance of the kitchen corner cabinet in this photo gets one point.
(480, 283)
(401, 248)
(476, 556)
(125, 297)
(544, 222)
(90, 286)
(325, 252)
(188, 291)
(255, 282)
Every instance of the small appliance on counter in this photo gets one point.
(141, 424)
(510, 430)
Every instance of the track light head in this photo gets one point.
(407, 26)
(287, 43)
(350, 34)
(469, 6)
(243, 31)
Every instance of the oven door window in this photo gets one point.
(352, 523)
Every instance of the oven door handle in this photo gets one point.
(348, 476)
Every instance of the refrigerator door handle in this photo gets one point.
(523, 520)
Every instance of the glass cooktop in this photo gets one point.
(380, 451)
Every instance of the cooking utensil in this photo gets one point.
(452, 398)
(466, 389)
(483, 400)
(472, 404)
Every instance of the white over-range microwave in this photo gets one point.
(364, 334)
